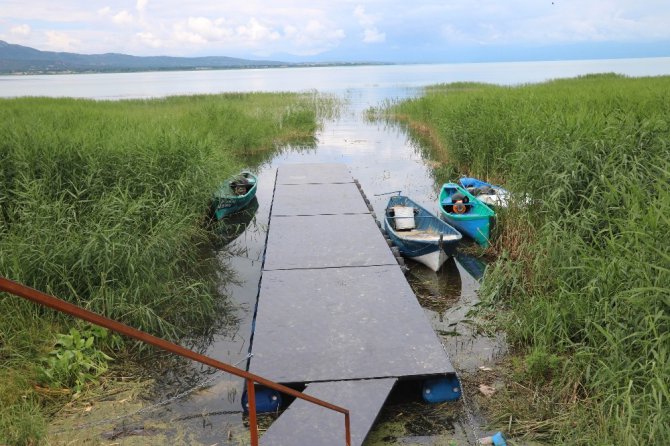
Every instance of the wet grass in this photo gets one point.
(582, 271)
(103, 203)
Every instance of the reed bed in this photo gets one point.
(583, 270)
(103, 203)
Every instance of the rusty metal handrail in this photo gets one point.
(41, 298)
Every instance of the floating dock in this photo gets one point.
(335, 313)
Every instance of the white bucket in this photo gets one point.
(404, 217)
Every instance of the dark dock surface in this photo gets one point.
(335, 312)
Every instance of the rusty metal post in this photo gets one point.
(251, 401)
(347, 429)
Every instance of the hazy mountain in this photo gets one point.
(23, 59)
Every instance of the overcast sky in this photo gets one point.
(363, 30)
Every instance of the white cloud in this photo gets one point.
(372, 35)
(150, 39)
(566, 21)
(60, 41)
(363, 19)
(120, 18)
(183, 36)
(142, 5)
(452, 34)
(315, 28)
(20, 30)
(199, 31)
(47, 11)
(574, 26)
(316, 37)
(311, 38)
(307, 27)
(260, 36)
(290, 31)
(370, 32)
(256, 31)
(210, 30)
(123, 18)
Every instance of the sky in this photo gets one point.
(416, 31)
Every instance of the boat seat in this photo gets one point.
(429, 236)
(449, 202)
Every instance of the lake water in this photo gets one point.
(382, 158)
(327, 79)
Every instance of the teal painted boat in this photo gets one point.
(234, 194)
(466, 213)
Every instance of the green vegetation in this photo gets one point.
(103, 204)
(77, 359)
(583, 270)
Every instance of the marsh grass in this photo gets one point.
(584, 268)
(102, 204)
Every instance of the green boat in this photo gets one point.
(234, 194)
(466, 213)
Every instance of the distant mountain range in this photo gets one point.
(18, 59)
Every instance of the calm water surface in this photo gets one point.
(330, 79)
(381, 157)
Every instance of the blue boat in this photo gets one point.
(234, 194)
(488, 193)
(466, 213)
(419, 234)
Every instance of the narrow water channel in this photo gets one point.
(383, 159)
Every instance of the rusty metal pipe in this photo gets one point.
(253, 425)
(41, 298)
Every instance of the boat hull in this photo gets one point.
(225, 202)
(226, 206)
(477, 229)
(430, 243)
(433, 260)
(475, 222)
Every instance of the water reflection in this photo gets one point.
(229, 228)
(473, 265)
(436, 291)
(460, 329)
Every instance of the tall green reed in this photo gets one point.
(102, 204)
(102, 200)
(584, 268)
